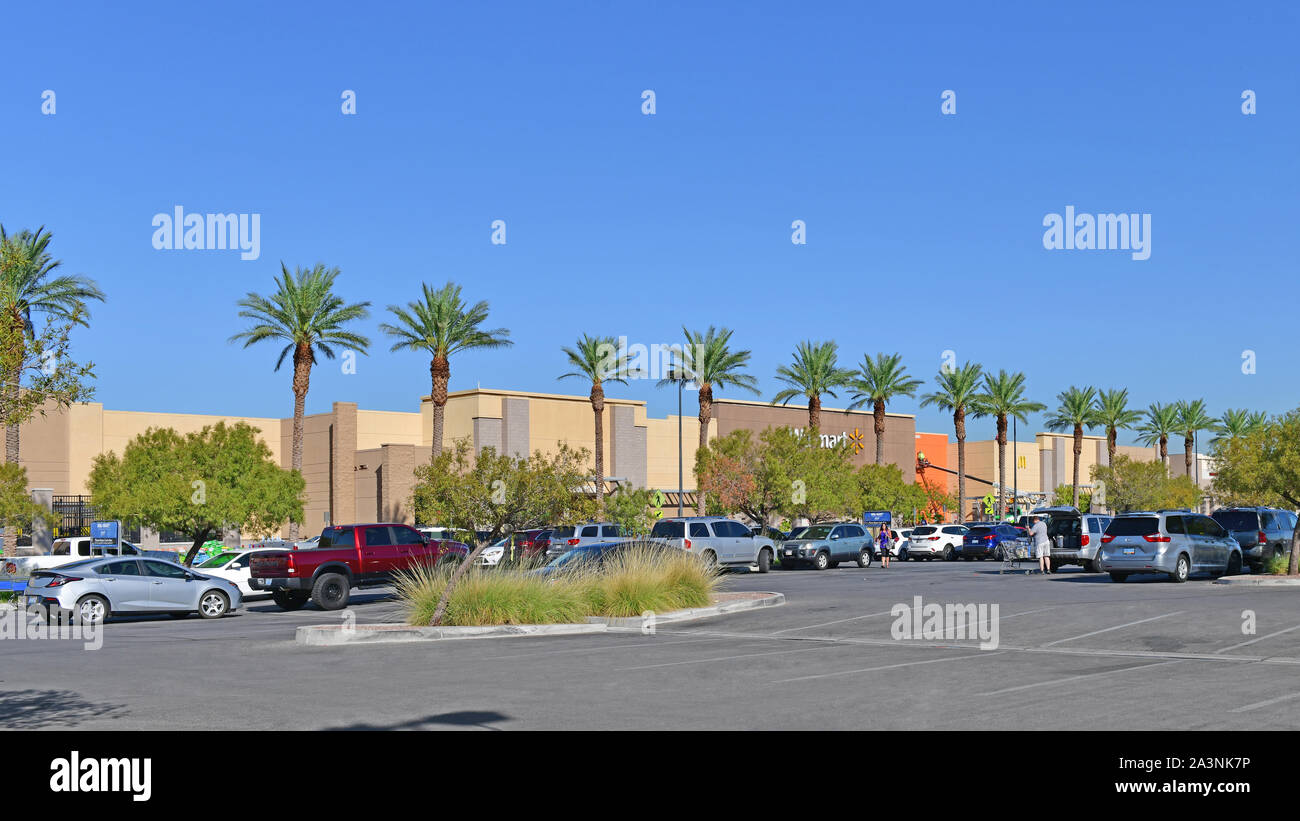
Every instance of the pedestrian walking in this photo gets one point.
(884, 547)
(1042, 545)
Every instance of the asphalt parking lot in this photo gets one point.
(1075, 651)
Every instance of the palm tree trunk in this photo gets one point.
(1078, 450)
(814, 414)
(878, 414)
(302, 359)
(440, 370)
(598, 409)
(1002, 464)
(959, 427)
(1164, 452)
(706, 413)
(1187, 453)
(1111, 435)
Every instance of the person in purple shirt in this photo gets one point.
(884, 547)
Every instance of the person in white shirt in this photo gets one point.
(1042, 545)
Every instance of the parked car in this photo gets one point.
(233, 565)
(772, 533)
(587, 556)
(826, 545)
(931, 542)
(92, 590)
(1075, 536)
(307, 544)
(717, 540)
(983, 538)
(1263, 532)
(1176, 542)
(899, 541)
(493, 554)
(349, 556)
(564, 539)
(63, 551)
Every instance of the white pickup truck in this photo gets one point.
(70, 549)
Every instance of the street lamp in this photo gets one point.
(680, 489)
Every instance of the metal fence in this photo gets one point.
(73, 515)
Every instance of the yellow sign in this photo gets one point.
(855, 439)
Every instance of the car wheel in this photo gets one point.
(213, 604)
(1118, 577)
(92, 609)
(330, 592)
(864, 558)
(948, 555)
(710, 559)
(764, 560)
(997, 553)
(822, 561)
(289, 599)
(1234, 564)
(1182, 569)
(1095, 566)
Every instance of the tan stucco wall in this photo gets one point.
(661, 451)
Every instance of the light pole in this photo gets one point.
(680, 489)
(1015, 473)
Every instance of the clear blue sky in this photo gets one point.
(924, 231)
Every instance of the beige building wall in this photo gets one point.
(661, 451)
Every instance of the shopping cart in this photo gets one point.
(1014, 552)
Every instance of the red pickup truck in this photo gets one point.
(347, 556)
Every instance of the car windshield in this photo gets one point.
(220, 560)
(979, 531)
(924, 530)
(1237, 519)
(1133, 526)
(573, 557)
(817, 532)
(668, 530)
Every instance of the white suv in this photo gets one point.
(717, 540)
(935, 541)
(564, 539)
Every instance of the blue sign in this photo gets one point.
(877, 517)
(106, 535)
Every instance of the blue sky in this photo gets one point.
(924, 231)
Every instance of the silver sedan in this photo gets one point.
(94, 589)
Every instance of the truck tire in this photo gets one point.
(289, 599)
(331, 591)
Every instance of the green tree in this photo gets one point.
(958, 389)
(1003, 397)
(1133, 485)
(882, 487)
(17, 509)
(442, 324)
(631, 509)
(597, 360)
(1064, 495)
(309, 318)
(1161, 422)
(708, 361)
(814, 371)
(1236, 423)
(1113, 414)
(1192, 418)
(878, 381)
(499, 493)
(1262, 467)
(1074, 413)
(197, 484)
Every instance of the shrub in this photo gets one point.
(1277, 565)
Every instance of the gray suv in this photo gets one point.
(827, 545)
(1176, 542)
(1075, 536)
(1262, 532)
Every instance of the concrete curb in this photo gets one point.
(636, 622)
(333, 635)
(1260, 581)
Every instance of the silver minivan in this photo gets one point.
(564, 539)
(1176, 542)
(717, 540)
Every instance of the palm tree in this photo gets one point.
(708, 361)
(442, 324)
(877, 381)
(595, 358)
(1192, 418)
(27, 287)
(304, 313)
(1004, 396)
(814, 372)
(958, 388)
(1238, 422)
(1075, 412)
(1161, 422)
(1114, 414)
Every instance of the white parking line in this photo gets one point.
(887, 667)
(1109, 629)
(647, 644)
(1080, 677)
(829, 623)
(726, 658)
(1260, 638)
(1268, 703)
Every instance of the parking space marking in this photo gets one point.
(729, 658)
(888, 667)
(1257, 705)
(1080, 677)
(642, 644)
(829, 623)
(1259, 638)
(1110, 629)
